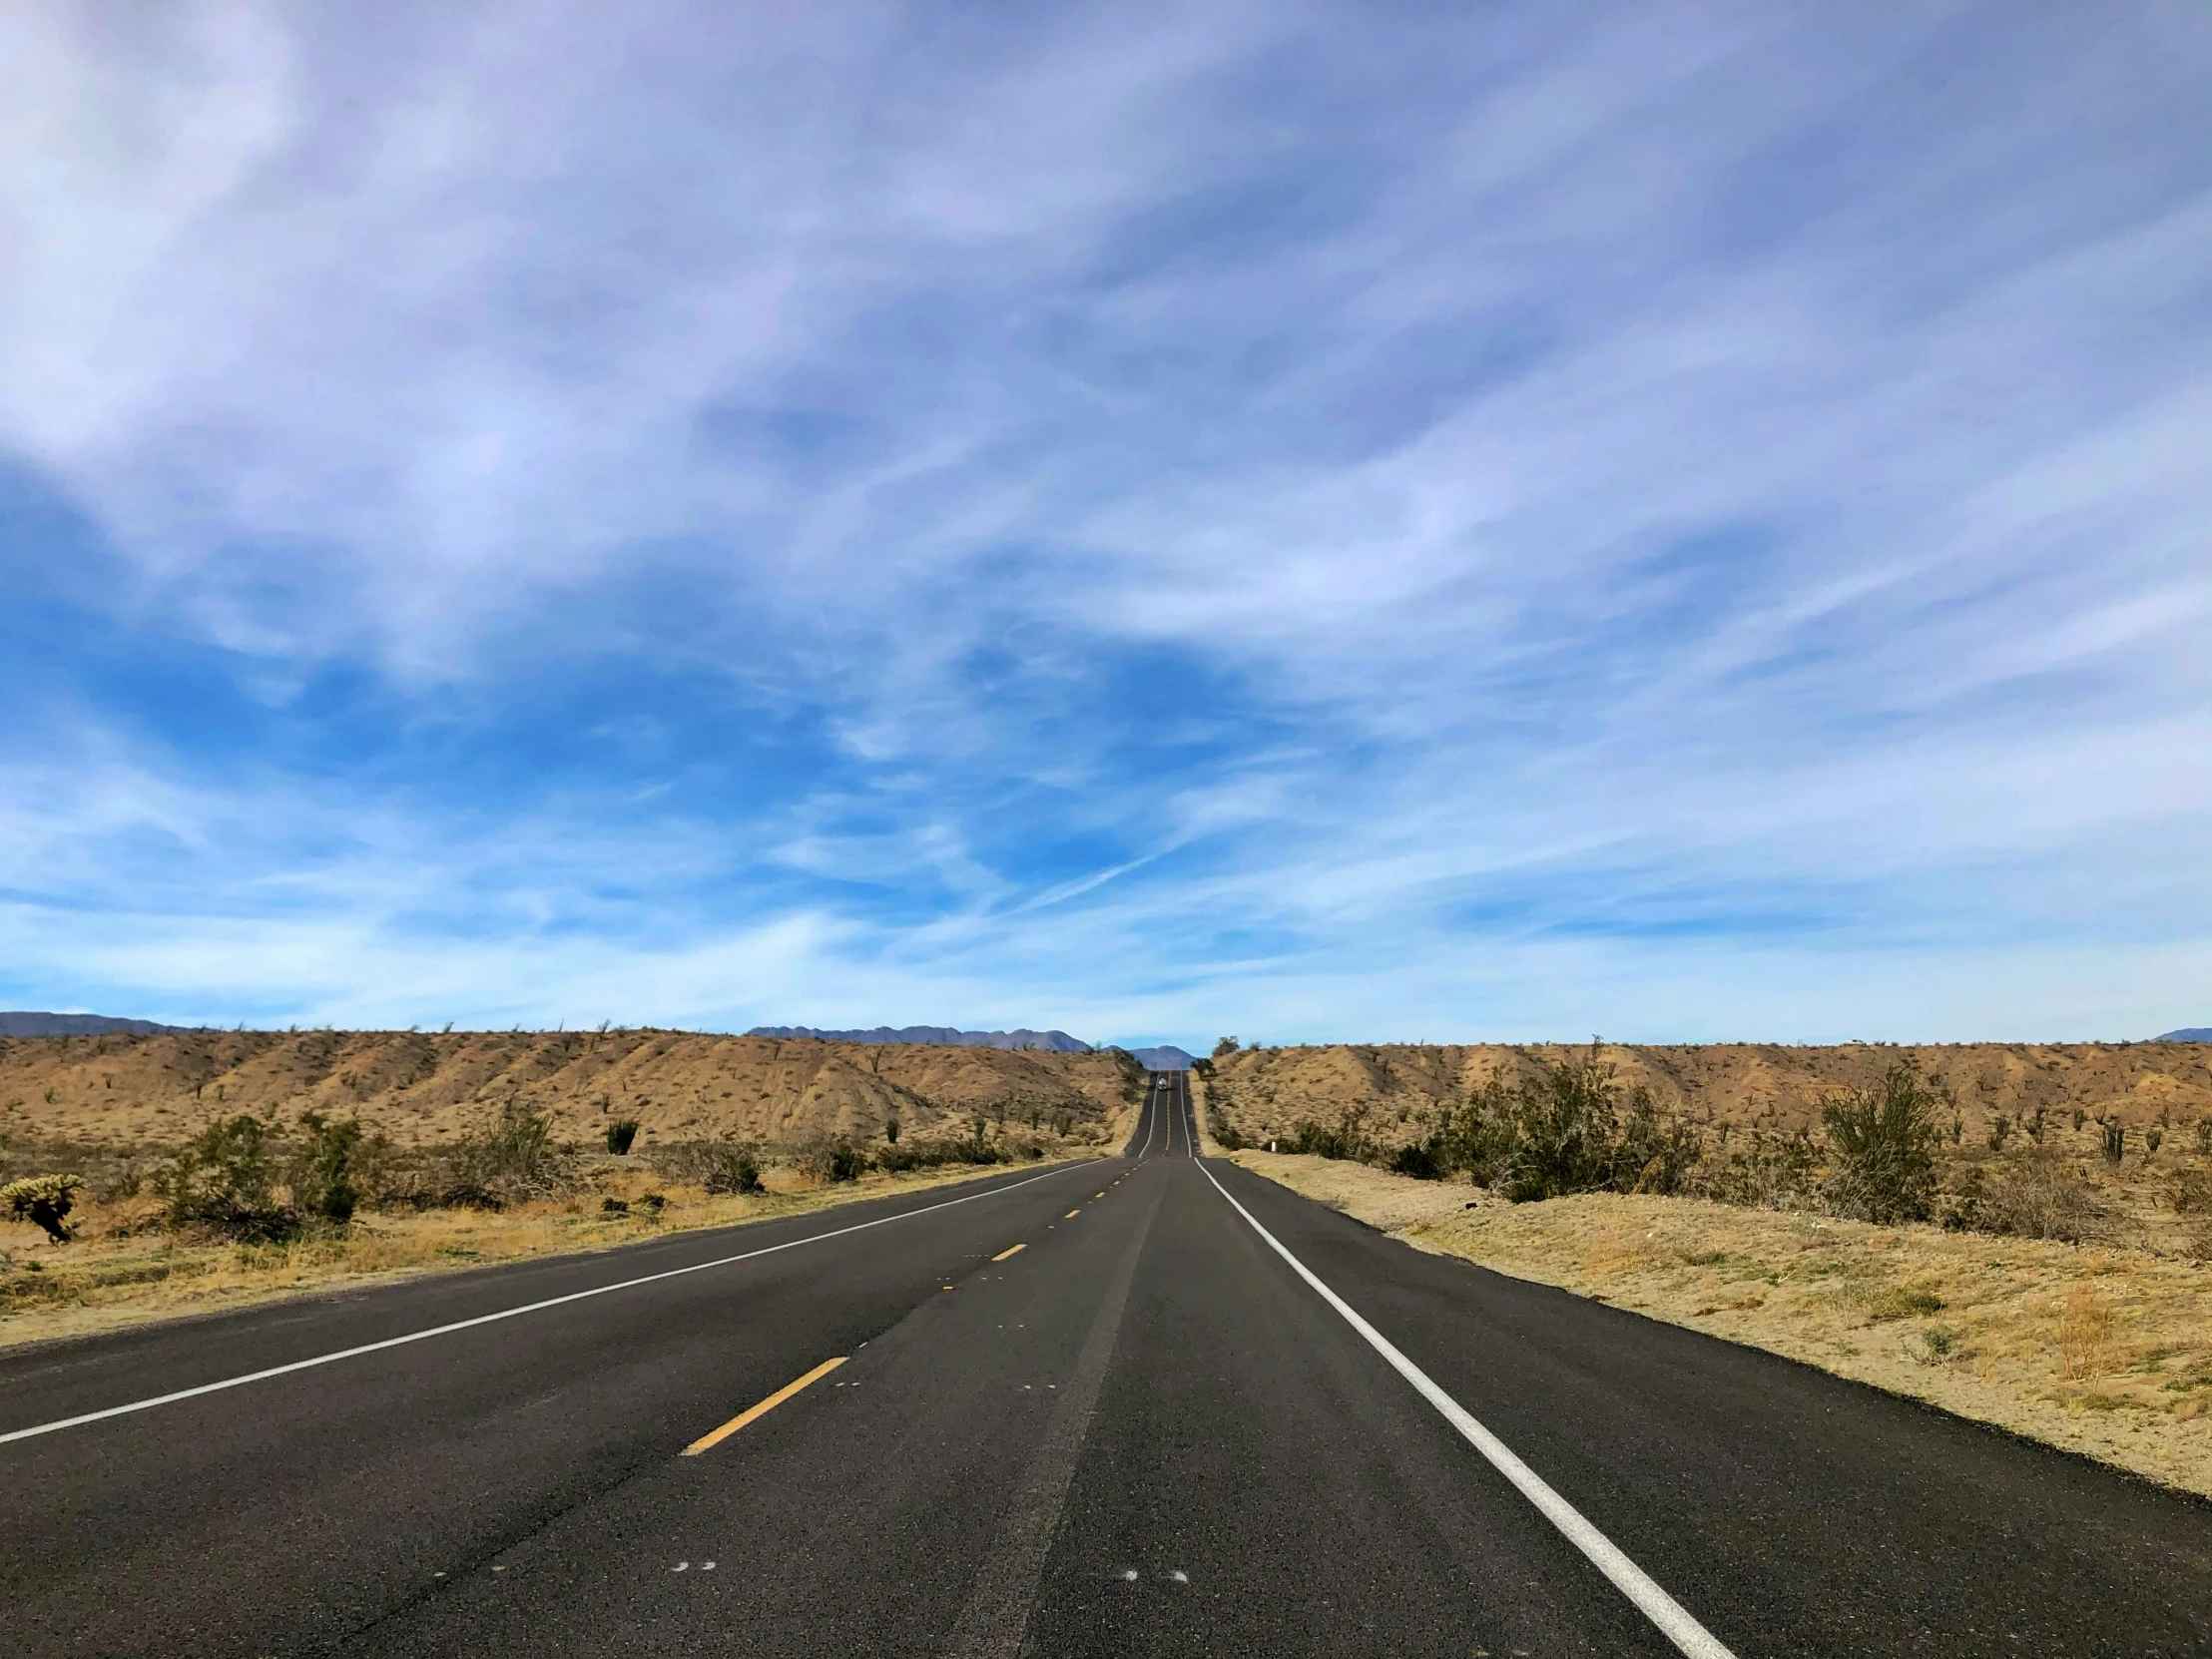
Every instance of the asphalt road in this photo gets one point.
(1144, 1432)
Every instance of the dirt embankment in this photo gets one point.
(1770, 1086)
(420, 1087)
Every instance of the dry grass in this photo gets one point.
(118, 1275)
(2105, 1350)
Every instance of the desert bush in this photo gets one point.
(2037, 1197)
(1769, 1172)
(45, 1200)
(225, 1179)
(1883, 1143)
(1656, 1150)
(2191, 1191)
(822, 1156)
(514, 1157)
(938, 1154)
(622, 1134)
(1470, 1137)
(1418, 1159)
(1347, 1139)
(320, 1169)
(1562, 1128)
(1562, 1132)
(2115, 1141)
(719, 1166)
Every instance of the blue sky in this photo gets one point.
(1682, 521)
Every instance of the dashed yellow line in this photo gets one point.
(1071, 1215)
(1017, 1250)
(707, 1442)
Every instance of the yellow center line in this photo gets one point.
(1098, 1195)
(707, 1442)
(1002, 1255)
(1071, 1215)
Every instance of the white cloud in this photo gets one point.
(1740, 447)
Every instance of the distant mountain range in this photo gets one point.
(23, 1024)
(2188, 1034)
(1058, 1042)
(1167, 1057)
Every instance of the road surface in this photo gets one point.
(1098, 1410)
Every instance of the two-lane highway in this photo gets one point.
(1144, 1405)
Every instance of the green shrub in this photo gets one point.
(621, 1135)
(225, 1178)
(1656, 1150)
(45, 1200)
(1418, 1159)
(1562, 1133)
(938, 1154)
(2115, 1141)
(1347, 1138)
(824, 1157)
(322, 1168)
(1883, 1143)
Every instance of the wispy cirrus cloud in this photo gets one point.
(1688, 521)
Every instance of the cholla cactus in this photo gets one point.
(45, 1200)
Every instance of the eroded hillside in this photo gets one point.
(423, 1087)
(1264, 1092)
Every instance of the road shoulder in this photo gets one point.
(2099, 1351)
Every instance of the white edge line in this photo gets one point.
(1673, 1620)
(504, 1314)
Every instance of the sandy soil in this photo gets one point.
(423, 1087)
(2099, 1350)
